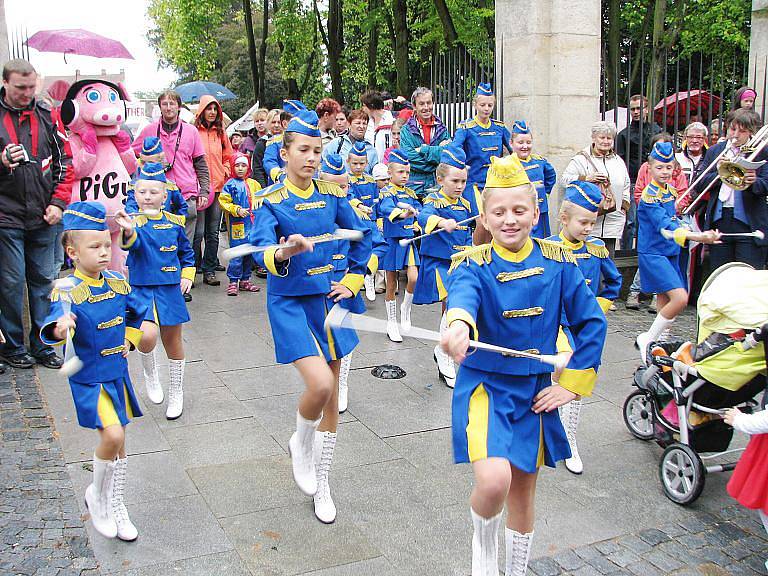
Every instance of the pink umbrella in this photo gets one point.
(78, 41)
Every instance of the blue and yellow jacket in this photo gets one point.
(364, 188)
(599, 271)
(238, 193)
(273, 163)
(378, 248)
(517, 300)
(159, 252)
(480, 142)
(284, 209)
(656, 212)
(394, 226)
(543, 176)
(438, 206)
(107, 315)
(174, 202)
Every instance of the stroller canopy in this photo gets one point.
(735, 297)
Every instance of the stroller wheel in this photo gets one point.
(638, 415)
(681, 473)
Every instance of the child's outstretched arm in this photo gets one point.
(756, 423)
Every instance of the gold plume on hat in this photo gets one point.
(506, 172)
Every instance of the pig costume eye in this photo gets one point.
(93, 96)
(112, 97)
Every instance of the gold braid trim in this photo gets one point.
(410, 193)
(436, 201)
(119, 285)
(275, 194)
(597, 250)
(77, 295)
(478, 254)
(554, 251)
(140, 221)
(330, 188)
(175, 218)
(360, 214)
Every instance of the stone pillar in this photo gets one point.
(4, 49)
(758, 52)
(549, 54)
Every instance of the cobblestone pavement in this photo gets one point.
(732, 542)
(41, 532)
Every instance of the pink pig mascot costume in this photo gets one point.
(102, 157)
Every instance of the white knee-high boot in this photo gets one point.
(660, 323)
(485, 544)
(301, 449)
(344, 367)
(405, 311)
(569, 416)
(518, 552)
(125, 528)
(445, 365)
(325, 509)
(98, 497)
(151, 377)
(175, 390)
(393, 331)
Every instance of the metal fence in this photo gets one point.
(454, 76)
(17, 43)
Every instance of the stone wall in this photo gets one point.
(758, 50)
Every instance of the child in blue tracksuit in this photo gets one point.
(105, 319)
(578, 214)
(513, 292)
(162, 267)
(398, 208)
(237, 200)
(659, 256)
(442, 211)
(152, 151)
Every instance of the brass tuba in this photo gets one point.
(733, 172)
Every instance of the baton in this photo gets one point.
(406, 241)
(245, 249)
(146, 212)
(72, 364)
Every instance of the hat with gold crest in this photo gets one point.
(506, 172)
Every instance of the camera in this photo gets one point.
(23, 160)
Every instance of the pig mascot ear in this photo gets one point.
(123, 91)
(69, 111)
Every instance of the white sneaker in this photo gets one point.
(125, 529)
(346, 363)
(97, 498)
(569, 416)
(393, 331)
(325, 509)
(175, 390)
(151, 377)
(445, 367)
(370, 287)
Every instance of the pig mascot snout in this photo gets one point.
(102, 157)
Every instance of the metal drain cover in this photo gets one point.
(388, 372)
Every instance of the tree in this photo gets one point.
(255, 72)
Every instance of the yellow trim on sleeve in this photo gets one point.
(373, 264)
(355, 202)
(456, 314)
(432, 223)
(274, 173)
(352, 281)
(681, 234)
(395, 213)
(128, 243)
(477, 425)
(604, 304)
(188, 273)
(580, 382)
(563, 345)
(133, 335)
(270, 263)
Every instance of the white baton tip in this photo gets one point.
(404, 242)
(759, 234)
(71, 366)
(345, 234)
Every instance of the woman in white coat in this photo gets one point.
(598, 163)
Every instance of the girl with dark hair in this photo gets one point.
(744, 98)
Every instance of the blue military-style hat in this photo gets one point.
(453, 156)
(520, 127)
(151, 146)
(663, 152)
(293, 106)
(484, 89)
(359, 149)
(304, 122)
(152, 171)
(333, 164)
(584, 194)
(397, 156)
(85, 216)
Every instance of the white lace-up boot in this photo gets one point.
(301, 448)
(405, 311)
(485, 544)
(370, 287)
(445, 365)
(393, 331)
(98, 495)
(346, 363)
(125, 528)
(151, 377)
(518, 552)
(325, 509)
(569, 416)
(175, 390)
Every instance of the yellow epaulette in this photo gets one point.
(77, 295)
(367, 178)
(437, 200)
(275, 194)
(171, 185)
(554, 251)
(596, 247)
(275, 139)
(386, 191)
(140, 221)
(410, 193)
(498, 122)
(175, 218)
(478, 254)
(468, 123)
(117, 282)
(538, 157)
(360, 214)
(330, 188)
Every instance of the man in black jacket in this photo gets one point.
(35, 187)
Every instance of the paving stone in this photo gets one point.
(634, 543)
(644, 568)
(568, 560)
(692, 541)
(608, 547)
(623, 557)
(603, 565)
(653, 536)
(662, 561)
(545, 567)
(714, 555)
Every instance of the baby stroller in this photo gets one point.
(684, 388)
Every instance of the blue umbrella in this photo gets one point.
(192, 91)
